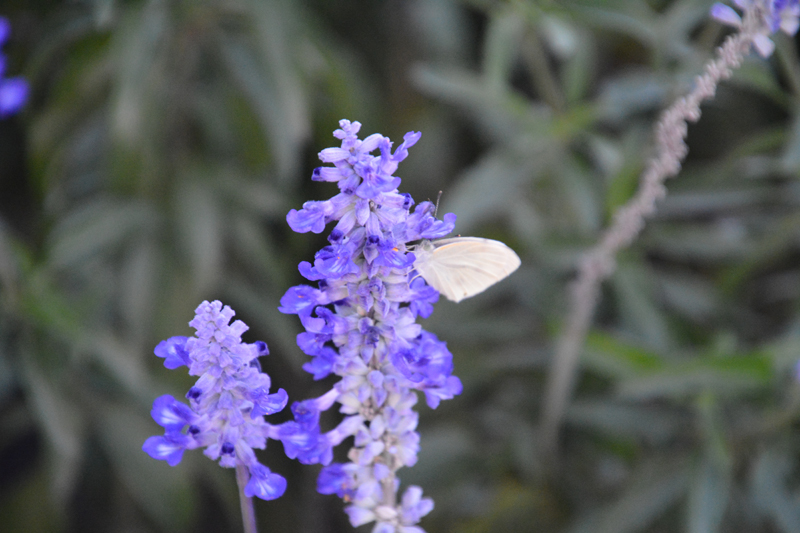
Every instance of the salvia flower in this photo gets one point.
(227, 404)
(13, 91)
(360, 324)
(776, 15)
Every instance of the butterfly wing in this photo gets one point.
(465, 266)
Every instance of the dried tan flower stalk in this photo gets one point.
(599, 263)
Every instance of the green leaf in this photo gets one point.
(138, 286)
(200, 222)
(769, 491)
(99, 226)
(164, 492)
(276, 30)
(639, 311)
(652, 423)
(737, 374)
(63, 424)
(501, 47)
(24, 508)
(488, 187)
(610, 356)
(708, 496)
(656, 486)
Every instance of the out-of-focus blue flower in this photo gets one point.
(226, 404)
(360, 324)
(13, 91)
(783, 15)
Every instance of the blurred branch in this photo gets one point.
(598, 264)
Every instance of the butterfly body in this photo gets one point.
(461, 267)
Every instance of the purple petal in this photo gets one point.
(267, 404)
(13, 93)
(173, 351)
(5, 30)
(264, 484)
(310, 218)
(332, 155)
(764, 45)
(322, 363)
(334, 479)
(359, 515)
(171, 414)
(300, 299)
(726, 15)
(167, 448)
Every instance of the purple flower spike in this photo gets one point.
(226, 404)
(360, 324)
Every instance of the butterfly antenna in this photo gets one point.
(439, 197)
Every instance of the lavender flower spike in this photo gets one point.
(13, 91)
(226, 405)
(360, 324)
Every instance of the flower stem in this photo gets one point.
(246, 503)
(599, 262)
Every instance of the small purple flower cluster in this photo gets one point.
(783, 15)
(226, 405)
(13, 91)
(360, 324)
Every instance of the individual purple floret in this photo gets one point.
(783, 15)
(13, 91)
(360, 324)
(226, 405)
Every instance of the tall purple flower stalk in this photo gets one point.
(227, 404)
(360, 324)
(13, 91)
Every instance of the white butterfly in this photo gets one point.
(464, 266)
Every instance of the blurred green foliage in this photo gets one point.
(166, 140)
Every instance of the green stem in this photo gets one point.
(248, 513)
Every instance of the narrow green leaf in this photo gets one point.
(654, 488)
(98, 226)
(724, 375)
(164, 492)
(501, 47)
(62, 422)
(708, 497)
(201, 225)
(608, 355)
(768, 489)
